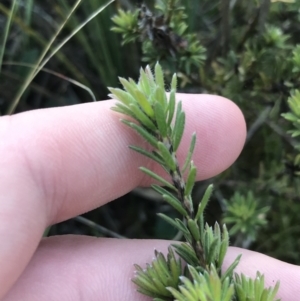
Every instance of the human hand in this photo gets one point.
(58, 163)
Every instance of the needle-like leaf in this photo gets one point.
(178, 130)
(160, 119)
(140, 130)
(171, 107)
(157, 177)
(152, 156)
(190, 182)
(175, 204)
(190, 153)
(142, 117)
(204, 201)
(159, 76)
(164, 152)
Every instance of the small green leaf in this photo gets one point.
(260, 290)
(229, 271)
(190, 182)
(157, 177)
(120, 108)
(188, 296)
(140, 130)
(213, 248)
(194, 229)
(122, 96)
(274, 292)
(190, 153)
(163, 265)
(174, 82)
(138, 268)
(150, 273)
(165, 154)
(224, 246)
(290, 117)
(145, 292)
(161, 97)
(217, 231)
(161, 289)
(144, 103)
(142, 117)
(178, 109)
(208, 238)
(159, 76)
(254, 289)
(189, 291)
(175, 267)
(187, 253)
(147, 154)
(130, 87)
(150, 77)
(144, 283)
(171, 107)
(186, 233)
(201, 226)
(117, 29)
(172, 222)
(177, 296)
(194, 273)
(175, 204)
(143, 83)
(204, 201)
(178, 130)
(240, 292)
(217, 234)
(161, 119)
(162, 275)
(162, 191)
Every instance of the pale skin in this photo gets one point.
(59, 163)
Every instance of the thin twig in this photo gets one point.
(97, 227)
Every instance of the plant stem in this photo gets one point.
(179, 184)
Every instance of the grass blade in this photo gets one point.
(41, 63)
(62, 76)
(6, 31)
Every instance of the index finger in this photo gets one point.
(61, 162)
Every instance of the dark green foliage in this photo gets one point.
(253, 58)
(205, 247)
(253, 289)
(93, 57)
(244, 216)
(163, 35)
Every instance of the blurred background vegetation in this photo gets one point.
(247, 51)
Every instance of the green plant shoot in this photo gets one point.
(160, 120)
